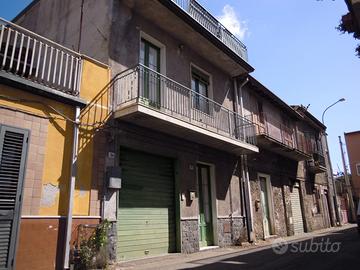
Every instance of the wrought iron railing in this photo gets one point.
(141, 85)
(268, 125)
(38, 59)
(211, 24)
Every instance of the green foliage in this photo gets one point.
(347, 25)
(92, 252)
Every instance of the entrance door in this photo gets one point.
(150, 78)
(146, 214)
(265, 206)
(296, 210)
(13, 148)
(205, 209)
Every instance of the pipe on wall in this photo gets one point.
(73, 171)
(245, 182)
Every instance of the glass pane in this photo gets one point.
(142, 53)
(153, 59)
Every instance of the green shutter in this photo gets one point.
(146, 214)
(13, 147)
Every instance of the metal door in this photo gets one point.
(146, 214)
(13, 148)
(296, 210)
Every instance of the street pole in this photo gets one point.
(335, 201)
(347, 183)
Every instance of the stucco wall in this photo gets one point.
(60, 22)
(353, 149)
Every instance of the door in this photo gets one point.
(264, 196)
(205, 209)
(200, 85)
(150, 78)
(296, 210)
(146, 214)
(13, 149)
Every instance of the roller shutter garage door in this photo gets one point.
(296, 211)
(146, 214)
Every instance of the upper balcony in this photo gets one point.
(211, 24)
(37, 62)
(193, 28)
(277, 137)
(150, 99)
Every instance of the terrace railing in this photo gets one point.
(141, 85)
(35, 58)
(211, 24)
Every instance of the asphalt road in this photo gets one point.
(337, 250)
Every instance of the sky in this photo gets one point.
(296, 52)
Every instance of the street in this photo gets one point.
(338, 249)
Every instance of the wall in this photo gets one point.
(60, 22)
(282, 172)
(125, 30)
(47, 172)
(187, 154)
(353, 146)
(274, 117)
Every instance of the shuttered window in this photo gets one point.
(13, 147)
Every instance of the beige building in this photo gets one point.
(352, 140)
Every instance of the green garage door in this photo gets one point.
(146, 214)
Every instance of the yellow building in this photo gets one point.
(47, 92)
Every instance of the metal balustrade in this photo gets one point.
(211, 24)
(33, 57)
(141, 85)
(270, 126)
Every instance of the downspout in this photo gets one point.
(243, 165)
(73, 172)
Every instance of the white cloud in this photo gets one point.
(230, 20)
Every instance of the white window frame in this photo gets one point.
(357, 166)
(158, 44)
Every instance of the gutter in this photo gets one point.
(73, 173)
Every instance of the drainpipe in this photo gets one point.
(244, 167)
(71, 190)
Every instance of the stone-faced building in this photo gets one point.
(207, 156)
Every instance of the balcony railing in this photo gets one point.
(35, 58)
(211, 24)
(143, 86)
(271, 127)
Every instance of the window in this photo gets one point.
(200, 86)
(358, 169)
(150, 79)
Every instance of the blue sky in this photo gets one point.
(296, 52)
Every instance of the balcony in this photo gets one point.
(35, 60)
(211, 24)
(317, 163)
(277, 137)
(149, 99)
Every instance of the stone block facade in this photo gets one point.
(189, 236)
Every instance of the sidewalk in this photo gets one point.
(181, 261)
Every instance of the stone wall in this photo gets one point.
(189, 236)
(231, 231)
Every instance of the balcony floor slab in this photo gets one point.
(150, 118)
